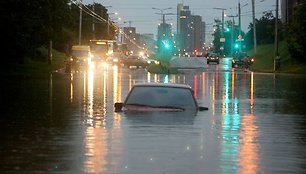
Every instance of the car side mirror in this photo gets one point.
(118, 107)
(202, 108)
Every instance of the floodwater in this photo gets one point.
(65, 124)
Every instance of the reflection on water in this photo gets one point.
(66, 124)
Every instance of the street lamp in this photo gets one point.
(254, 26)
(239, 14)
(222, 28)
(276, 62)
(222, 18)
(80, 22)
(161, 11)
(108, 21)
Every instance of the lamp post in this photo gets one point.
(80, 23)
(254, 26)
(108, 21)
(93, 21)
(161, 11)
(276, 57)
(239, 15)
(222, 27)
(222, 19)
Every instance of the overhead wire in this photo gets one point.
(110, 22)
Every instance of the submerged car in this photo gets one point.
(242, 60)
(165, 97)
(212, 57)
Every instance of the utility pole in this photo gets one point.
(239, 19)
(80, 23)
(254, 26)
(93, 21)
(222, 19)
(161, 11)
(108, 21)
(222, 27)
(240, 31)
(276, 57)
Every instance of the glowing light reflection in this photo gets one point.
(97, 138)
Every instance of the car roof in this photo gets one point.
(156, 84)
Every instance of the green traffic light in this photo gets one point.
(227, 29)
(236, 45)
(167, 45)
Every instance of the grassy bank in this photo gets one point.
(38, 67)
(265, 60)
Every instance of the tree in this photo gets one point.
(29, 25)
(296, 33)
(265, 30)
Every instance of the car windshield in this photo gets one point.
(161, 97)
(213, 54)
(79, 53)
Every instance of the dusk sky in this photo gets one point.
(145, 19)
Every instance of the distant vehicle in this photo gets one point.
(242, 60)
(135, 61)
(102, 48)
(212, 57)
(151, 61)
(161, 97)
(80, 56)
(81, 53)
(116, 58)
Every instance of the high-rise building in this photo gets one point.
(179, 9)
(130, 38)
(197, 28)
(184, 28)
(189, 31)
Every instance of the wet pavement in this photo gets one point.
(66, 124)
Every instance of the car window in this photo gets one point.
(162, 96)
(212, 54)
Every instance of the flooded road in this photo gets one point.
(66, 124)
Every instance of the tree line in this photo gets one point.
(293, 33)
(30, 25)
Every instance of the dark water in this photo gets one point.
(256, 123)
